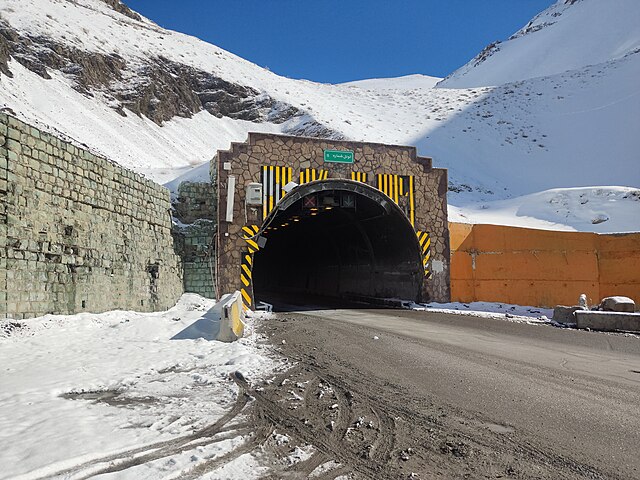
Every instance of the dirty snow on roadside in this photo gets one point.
(488, 310)
(76, 391)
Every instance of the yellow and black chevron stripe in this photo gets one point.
(425, 250)
(246, 289)
(248, 232)
(359, 177)
(311, 174)
(273, 179)
(396, 186)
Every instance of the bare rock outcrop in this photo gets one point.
(120, 7)
(155, 87)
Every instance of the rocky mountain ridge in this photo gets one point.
(157, 87)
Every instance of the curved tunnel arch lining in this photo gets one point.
(367, 251)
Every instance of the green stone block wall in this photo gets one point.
(79, 233)
(199, 277)
(194, 209)
(195, 201)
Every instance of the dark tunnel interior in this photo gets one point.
(338, 244)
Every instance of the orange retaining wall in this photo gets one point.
(542, 268)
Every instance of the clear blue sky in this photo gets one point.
(341, 40)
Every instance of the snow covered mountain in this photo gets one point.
(551, 108)
(569, 35)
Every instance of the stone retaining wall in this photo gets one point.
(195, 201)
(79, 233)
(195, 211)
(195, 244)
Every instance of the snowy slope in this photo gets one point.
(572, 128)
(569, 35)
(133, 141)
(593, 209)
(79, 391)
(407, 82)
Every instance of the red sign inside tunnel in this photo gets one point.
(310, 202)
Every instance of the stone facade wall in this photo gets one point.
(195, 201)
(195, 211)
(79, 233)
(245, 161)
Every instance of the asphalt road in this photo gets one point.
(570, 400)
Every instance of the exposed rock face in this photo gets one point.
(120, 7)
(90, 71)
(486, 53)
(157, 87)
(478, 59)
(4, 55)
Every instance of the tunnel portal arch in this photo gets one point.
(336, 238)
(253, 186)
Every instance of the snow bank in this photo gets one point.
(516, 313)
(583, 209)
(82, 386)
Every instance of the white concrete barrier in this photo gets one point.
(231, 317)
(608, 321)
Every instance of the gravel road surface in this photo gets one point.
(392, 393)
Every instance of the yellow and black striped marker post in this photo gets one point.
(359, 177)
(248, 233)
(311, 174)
(246, 290)
(425, 250)
(396, 186)
(273, 179)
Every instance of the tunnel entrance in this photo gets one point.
(337, 239)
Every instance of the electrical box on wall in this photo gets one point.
(254, 194)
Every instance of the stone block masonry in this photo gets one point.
(79, 233)
(195, 201)
(195, 244)
(195, 211)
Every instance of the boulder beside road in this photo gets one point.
(618, 304)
